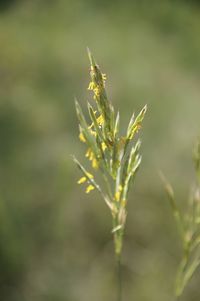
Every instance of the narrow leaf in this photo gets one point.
(116, 128)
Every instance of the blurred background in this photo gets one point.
(55, 241)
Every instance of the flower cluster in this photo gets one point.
(109, 153)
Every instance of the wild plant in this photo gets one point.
(188, 224)
(115, 157)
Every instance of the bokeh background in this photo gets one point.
(55, 241)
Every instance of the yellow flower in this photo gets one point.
(95, 163)
(89, 188)
(100, 120)
(93, 133)
(97, 91)
(95, 88)
(103, 145)
(118, 193)
(82, 137)
(90, 175)
(91, 130)
(89, 154)
(91, 86)
(104, 77)
(82, 180)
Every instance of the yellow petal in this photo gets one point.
(100, 120)
(103, 145)
(91, 157)
(89, 188)
(82, 180)
(97, 91)
(95, 163)
(90, 175)
(93, 133)
(82, 137)
(88, 153)
(91, 86)
(104, 76)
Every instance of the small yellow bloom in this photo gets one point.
(90, 175)
(95, 163)
(89, 154)
(103, 145)
(82, 137)
(91, 86)
(100, 120)
(89, 188)
(118, 193)
(97, 91)
(93, 133)
(104, 76)
(82, 180)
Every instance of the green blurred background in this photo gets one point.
(55, 241)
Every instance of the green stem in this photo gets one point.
(119, 277)
(108, 186)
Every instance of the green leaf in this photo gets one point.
(91, 58)
(112, 120)
(136, 124)
(130, 124)
(133, 155)
(116, 127)
(131, 166)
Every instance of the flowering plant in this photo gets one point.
(188, 224)
(113, 156)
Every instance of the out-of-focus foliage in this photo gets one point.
(54, 241)
(188, 226)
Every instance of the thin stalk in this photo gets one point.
(108, 186)
(119, 277)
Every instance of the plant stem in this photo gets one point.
(119, 277)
